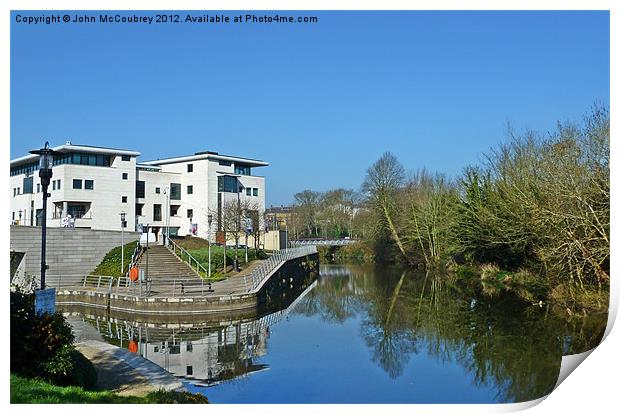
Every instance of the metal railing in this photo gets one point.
(266, 268)
(323, 242)
(182, 254)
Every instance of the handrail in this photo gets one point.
(197, 266)
(267, 267)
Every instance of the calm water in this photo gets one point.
(367, 335)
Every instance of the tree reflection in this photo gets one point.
(502, 343)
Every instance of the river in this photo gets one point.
(367, 334)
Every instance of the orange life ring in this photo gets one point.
(133, 274)
(133, 346)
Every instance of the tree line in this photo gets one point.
(538, 204)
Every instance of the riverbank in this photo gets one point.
(34, 391)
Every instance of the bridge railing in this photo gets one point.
(266, 268)
(322, 242)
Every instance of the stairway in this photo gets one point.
(163, 264)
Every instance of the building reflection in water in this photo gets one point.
(203, 353)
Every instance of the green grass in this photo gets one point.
(111, 263)
(32, 391)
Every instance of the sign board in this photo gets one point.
(45, 301)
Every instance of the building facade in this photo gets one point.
(92, 186)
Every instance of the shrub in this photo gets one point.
(42, 345)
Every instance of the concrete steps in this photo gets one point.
(163, 264)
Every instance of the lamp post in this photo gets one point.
(167, 232)
(239, 188)
(123, 215)
(209, 220)
(46, 161)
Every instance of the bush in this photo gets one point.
(42, 345)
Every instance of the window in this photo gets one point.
(54, 185)
(89, 184)
(248, 191)
(77, 184)
(190, 213)
(14, 192)
(125, 176)
(190, 189)
(139, 209)
(38, 188)
(175, 191)
(190, 370)
(189, 347)
(157, 190)
(227, 184)
(255, 192)
(125, 157)
(28, 184)
(76, 210)
(19, 190)
(156, 212)
(174, 211)
(139, 189)
(242, 169)
(190, 168)
(58, 184)
(226, 163)
(123, 199)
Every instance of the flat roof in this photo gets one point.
(68, 147)
(207, 155)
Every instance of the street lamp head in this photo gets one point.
(123, 215)
(46, 162)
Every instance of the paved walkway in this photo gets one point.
(118, 369)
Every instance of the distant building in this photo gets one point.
(91, 186)
(277, 218)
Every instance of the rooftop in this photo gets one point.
(69, 147)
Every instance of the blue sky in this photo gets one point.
(320, 102)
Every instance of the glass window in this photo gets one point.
(139, 209)
(123, 199)
(242, 169)
(77, 184)
(175, 191)
(58, 185)
(28, 184)
(14, 192)
(255, 192)
(139, 189)
(190, 168)
(156, 212)
(190, 189)
(157, 190)
(226, 163)
(248, 191)
(125, 176)
(76, 210)
(126, 157)
(190, 370)
(227, 184)
(190, 213)
(54, 185)
(89, 184)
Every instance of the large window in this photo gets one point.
(243, 169)
(126, 157)
(175, 191)
(156, 212)
(225, 163)
(77, 184)
(255, 192)
(28, 184)
(89, 184)
(227, 184)
(99, 160)
(140, 189)
(76, 210)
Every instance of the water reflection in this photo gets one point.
(416, 328)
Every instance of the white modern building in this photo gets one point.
(91, 186)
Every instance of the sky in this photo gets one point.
(319, 101)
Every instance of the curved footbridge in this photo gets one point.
(242, 292)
